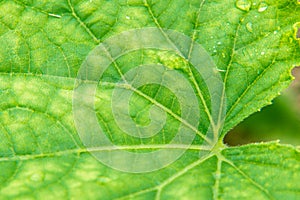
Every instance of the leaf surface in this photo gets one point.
(44, 43)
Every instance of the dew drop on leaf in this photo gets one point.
(244, 5)
(103, 180)
(217, 175)
(249, 27)
(263, 6)
(39, 176)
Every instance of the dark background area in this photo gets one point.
(279, 121)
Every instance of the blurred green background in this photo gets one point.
(279, 121)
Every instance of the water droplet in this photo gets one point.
(127, 17)
(103, 179)
(219, 43)
(220, 70)
(249, 27)
(215, 51)
(275, 32)
(217, 175)
(54, 15)
(263, 6)
(39, 176)
(262, 53)
(244, 5)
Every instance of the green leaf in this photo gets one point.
(254, 45)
